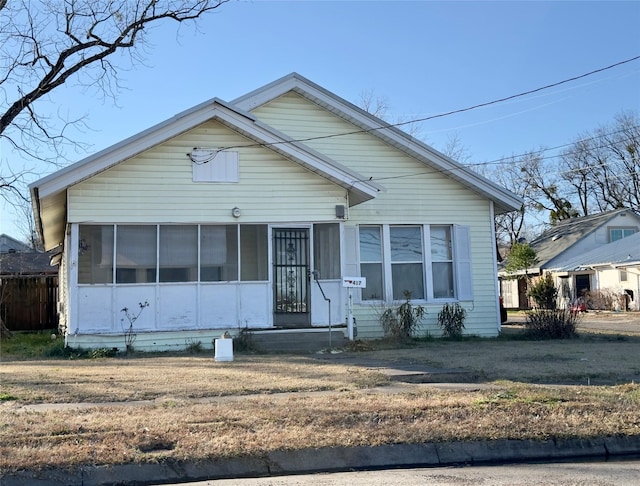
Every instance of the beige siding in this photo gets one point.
(414, 194)
(157, 186)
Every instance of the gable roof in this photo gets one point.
(49, 193)
(28, 263)
(559, 238)
(620, 253)
(503, 199)
(10, 244)
(55, 185)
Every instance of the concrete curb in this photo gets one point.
(333, 460)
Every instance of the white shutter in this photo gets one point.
(462, 262)
(351, 266)
(223, 166)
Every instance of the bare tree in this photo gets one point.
(546, 192)
(45, 44)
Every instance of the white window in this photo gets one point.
(619, 233)
(371, 262)
(428, 262)
(442, 262)
(623, 275)
(214, 166)
(407, 267)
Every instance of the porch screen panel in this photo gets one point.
(371, 262)
(407, 266)
(178, 253)
(219, 253)
(136, 254)
(326, 241)
(254, 248)
(95, 254)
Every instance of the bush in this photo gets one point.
(544, 293)
(402, 322)
(451, 320)
(603, 299)
(551, 324)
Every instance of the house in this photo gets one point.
(28, 290)
(566, 242)
(614, 270)
(10, 244)
(250, 214)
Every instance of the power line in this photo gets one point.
(439, 115)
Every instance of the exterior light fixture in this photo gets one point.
(235, 212)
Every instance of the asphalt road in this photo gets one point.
(565, 474)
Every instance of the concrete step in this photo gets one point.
(296, 341)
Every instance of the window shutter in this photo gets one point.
(464, 278)
(351, 267)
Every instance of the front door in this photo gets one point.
(291, 277)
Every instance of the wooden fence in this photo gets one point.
(29, 303)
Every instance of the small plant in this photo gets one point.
(544, 293)
(129, 332)
(402, 322)
(194, 347)
(244, 340)
(451, 320)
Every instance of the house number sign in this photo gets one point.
(354, 282)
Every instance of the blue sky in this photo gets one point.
(424, 57)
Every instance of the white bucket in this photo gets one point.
(224, 349)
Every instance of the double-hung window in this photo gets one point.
(427, 262)
(442, 262)
(407, 262)
(371, 262)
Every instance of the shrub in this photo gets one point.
(194, 347)
(544, 293)
(403, 321)
(603, 299)
(551, 324)
(451, 320)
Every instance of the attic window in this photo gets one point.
(210, 165)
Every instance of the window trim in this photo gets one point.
(460, 259)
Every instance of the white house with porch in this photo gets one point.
(249, 214)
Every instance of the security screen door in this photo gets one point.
(291, 277)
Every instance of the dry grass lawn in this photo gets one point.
(200, 409)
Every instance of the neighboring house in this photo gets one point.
(614, 269)
(10, 244)
(28, 291)
(222, 218)
(566, 242)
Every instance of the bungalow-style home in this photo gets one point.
(257, 215)
(614, 270)
(567, 244)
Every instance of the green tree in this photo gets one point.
(521, 258)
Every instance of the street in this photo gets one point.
(565, 474)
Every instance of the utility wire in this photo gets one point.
(439, 115)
